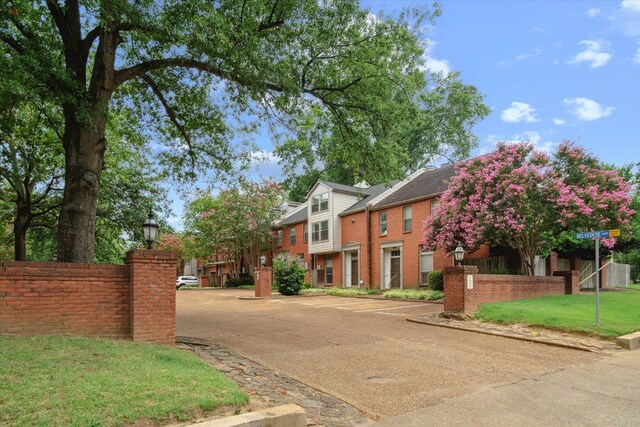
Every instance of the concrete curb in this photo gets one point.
(281, 416)
(439, 301)
(498, 334)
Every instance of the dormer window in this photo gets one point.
(320, 203)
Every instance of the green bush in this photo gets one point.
(288, 275)
(241, 281)
(413, 294)
(435, 281)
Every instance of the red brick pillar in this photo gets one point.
(455, 288)
(571, 281)
(153, 295)
(204, 281)
(551, 264)
(263, 280)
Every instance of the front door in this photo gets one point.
(395, 281)
(391, 268)
(354, 269)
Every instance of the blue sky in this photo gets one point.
(550, 71)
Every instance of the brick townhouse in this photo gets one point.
(366, 236)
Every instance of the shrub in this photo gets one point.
(241, 281)
(413, 294)
(435, 281)
(288, 275)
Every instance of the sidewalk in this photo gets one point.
(604, 393)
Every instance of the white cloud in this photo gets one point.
(432, 64)
(631, 5)
(597, 53)
(593, 12)
(525, 55)
(264, 164)
(587, 109)
(559, 122)
(437, 65)
(519, 112)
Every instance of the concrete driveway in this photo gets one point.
(364, 351)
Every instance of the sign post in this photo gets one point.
(597, 235)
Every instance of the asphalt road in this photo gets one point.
(364, 351)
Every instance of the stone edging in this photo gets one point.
(268, 387)
(451, 325)
(285, 415)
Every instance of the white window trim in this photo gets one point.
(319, 197)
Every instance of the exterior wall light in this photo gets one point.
(150, 230)
(458, 255)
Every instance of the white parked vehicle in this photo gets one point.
(186, 281)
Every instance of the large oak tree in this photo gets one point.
(202, 72)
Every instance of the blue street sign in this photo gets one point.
(602, 234)
(588, 235)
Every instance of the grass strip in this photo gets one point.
(619, 313)
(61, 381)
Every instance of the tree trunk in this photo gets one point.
(84, 146)
(84, 157)
(20, 226)
(527, 261)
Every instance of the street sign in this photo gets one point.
(602, 234)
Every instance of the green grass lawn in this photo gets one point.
(62, 381)
(619, 313)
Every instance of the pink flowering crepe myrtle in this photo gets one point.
(521, 198)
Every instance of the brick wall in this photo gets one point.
(42, 298)
(153, 295)
(464, 295)
(263, 278)
(299, 247)
(410, 242)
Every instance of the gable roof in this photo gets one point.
(299, 214)
(340, 188)
(374, 191)
(429, 183)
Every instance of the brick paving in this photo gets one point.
(269, 388)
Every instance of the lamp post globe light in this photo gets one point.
(150, 230)
(458, 255)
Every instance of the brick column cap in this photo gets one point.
(149, 254)
(468, 269)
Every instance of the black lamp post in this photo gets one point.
(150, 229)
(458, 255)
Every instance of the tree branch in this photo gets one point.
(126, 74)
(87, 42)
(172, 117)
(12, 43)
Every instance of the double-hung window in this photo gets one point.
(426, 265)
(435, 204)
(328, 266)
(320, 203)
(407, 217)
(305, 237)
(383, 223)
(320, 231)
(292, 236)
(279, 238)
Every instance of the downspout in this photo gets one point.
(369, 262)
